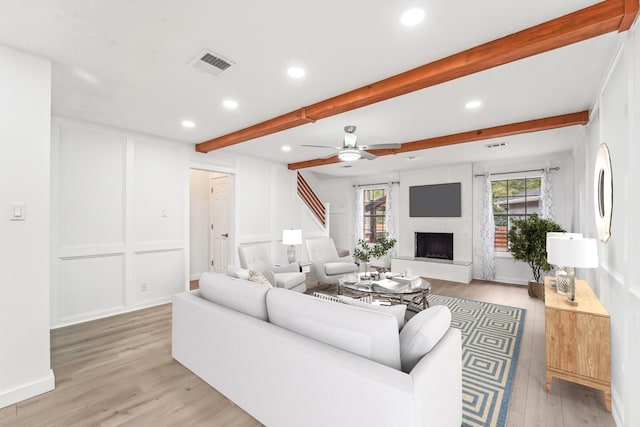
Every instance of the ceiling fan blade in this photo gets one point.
(367, 155)
(383, 146)
(319, 146)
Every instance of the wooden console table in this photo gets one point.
(578, 339)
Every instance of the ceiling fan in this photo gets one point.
(350, 150)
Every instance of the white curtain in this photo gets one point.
(487, 233)
(389, 219)
(546, 196)
(359, 216)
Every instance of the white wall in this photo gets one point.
(617, 280)
(25, 109)
(118, 220)
(121, 217)
(268, 203)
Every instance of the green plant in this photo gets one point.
(383, 245)
(528, 242)
(363, 251)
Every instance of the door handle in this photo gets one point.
(224, 235)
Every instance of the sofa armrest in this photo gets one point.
(442, 366)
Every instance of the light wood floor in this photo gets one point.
(119, 371)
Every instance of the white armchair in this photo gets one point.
(327, 266)
(257, 258)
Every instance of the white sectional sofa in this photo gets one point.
(290, 359)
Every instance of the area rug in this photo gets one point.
(490, 344)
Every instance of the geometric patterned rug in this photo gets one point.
(490, 345)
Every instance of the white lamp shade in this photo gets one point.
(562, 235)
(581, 253)
(291, 237)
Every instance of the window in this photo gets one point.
(374, 214)
(513, 199)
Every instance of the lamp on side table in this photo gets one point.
(572, 253)
(291, 238)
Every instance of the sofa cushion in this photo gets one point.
(290, 279)
(398, 310)
(237, 294)
(333, 268)
(421, 333)
(367, 333)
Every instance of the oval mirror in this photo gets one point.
(603, 193)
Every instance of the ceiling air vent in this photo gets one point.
(210, 62)
(496, 145)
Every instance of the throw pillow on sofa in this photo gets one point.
(398, 311)
(238, 272)
(421, 333)
(237, 294)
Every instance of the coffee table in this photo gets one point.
(413, 296)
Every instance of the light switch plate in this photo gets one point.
(17, 211)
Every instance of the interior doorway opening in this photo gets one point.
(211, 225)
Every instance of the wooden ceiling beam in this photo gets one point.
(580, 118)
(593, 21)
(630, 13)
(277, 124)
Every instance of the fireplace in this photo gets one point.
(434, 245)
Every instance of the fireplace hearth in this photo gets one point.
(434, 245)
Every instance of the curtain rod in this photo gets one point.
(376, 183)
(506, 173)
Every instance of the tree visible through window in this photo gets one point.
(375, 207)
(513, 199)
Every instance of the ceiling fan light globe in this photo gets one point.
(349, 155)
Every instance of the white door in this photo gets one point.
(219, 212)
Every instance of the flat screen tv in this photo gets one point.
(438, 200)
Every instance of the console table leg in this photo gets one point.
(607, 400)
(549, 380)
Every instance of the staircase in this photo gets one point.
(312, 201)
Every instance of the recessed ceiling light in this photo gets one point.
(296, 72)
(230, 104)
(188, 124)
(473, 104)
(412, 17)
(413, 158)
(285, 148)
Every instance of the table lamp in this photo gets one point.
(561, 275)
(572, 253)
(291, 238)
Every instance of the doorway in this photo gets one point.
(211, 227)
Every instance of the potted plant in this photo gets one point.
(528, 242)
(363, 253)
(380, 249)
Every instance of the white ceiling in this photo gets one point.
(124, 63)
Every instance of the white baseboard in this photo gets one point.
(27, 391)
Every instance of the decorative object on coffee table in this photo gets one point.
(527, 242)
(364, 251)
